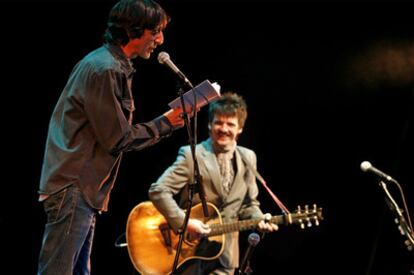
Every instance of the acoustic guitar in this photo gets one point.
(152, 243)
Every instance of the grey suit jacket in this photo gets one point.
(241, 203)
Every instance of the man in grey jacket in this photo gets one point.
(226, 179)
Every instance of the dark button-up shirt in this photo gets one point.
(90, 127)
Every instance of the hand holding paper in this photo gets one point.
(204, 93)
(175, 117)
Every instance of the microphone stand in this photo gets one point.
(245, 268)
(196, 186)
(404, 227)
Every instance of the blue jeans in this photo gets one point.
(68, 235)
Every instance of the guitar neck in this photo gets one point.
(303, 218)
(217, 229)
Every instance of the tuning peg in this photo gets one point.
(308, 221)
(300, 221)
(315, 211)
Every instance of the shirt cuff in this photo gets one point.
(164, 126)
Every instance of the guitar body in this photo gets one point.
(152, 245)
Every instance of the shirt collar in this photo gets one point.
(117, 52)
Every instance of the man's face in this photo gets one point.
(224, 130)
(147, 43)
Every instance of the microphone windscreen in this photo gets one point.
(162, 57)
(253, 239)
(365, 165)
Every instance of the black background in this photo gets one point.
(328, 84)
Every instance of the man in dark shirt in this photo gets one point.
(90, 128)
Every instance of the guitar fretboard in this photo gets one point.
(217, 229)
(297, 218)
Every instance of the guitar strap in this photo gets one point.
(263, 182)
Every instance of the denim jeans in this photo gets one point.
(68, 234)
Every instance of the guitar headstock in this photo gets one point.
(306, 217)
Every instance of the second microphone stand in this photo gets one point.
(404, 226)
(196, 185)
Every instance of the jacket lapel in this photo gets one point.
(212, 167)
(240, 170)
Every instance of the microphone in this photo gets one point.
(164, 58)
(253, 240)
(366, 166)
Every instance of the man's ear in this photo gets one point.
(240, 131)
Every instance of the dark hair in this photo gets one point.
(229, 104)
(129, 18)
